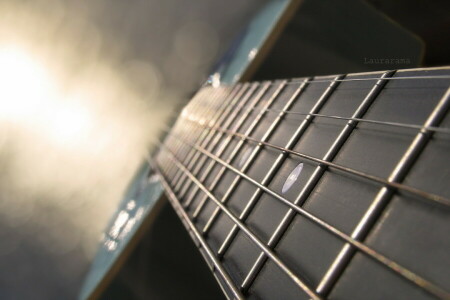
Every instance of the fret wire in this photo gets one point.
(178, 174)
(276, 166)
(429, 196)
(205, 137)
(231, 114)
(213, 138)
(315, 177)
(176, 145)
(176, 204)
(385, 194)
(203, 134)
(251, 97)
(247, 94)
(270, 130)
(237, 148)
(180, 181)
(190, 132)
(200, 104)
(301, 129)
(195, 105)
(204, 117)
(299, 282)
(250, 159)
(227, 141)
(369, 252)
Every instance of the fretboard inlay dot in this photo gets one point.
(292, 178)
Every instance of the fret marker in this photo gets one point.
(292, 178)
(245, 157)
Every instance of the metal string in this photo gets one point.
(191, 227)
(433, 197)
(392, 265)
(310, 291)
(394, 124)
(430, 287)
(297, 81)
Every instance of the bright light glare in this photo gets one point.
(29, 97)
(24, 84)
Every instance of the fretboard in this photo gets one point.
(327, 187)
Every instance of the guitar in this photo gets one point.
(307, 188)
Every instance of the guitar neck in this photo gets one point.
(317, 187)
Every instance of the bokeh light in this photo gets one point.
(85, 86)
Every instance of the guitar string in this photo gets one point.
(294, 81)
(317, 79)
(261, 245)
(386, 123)
(392, 265)
(222, 116)
(239, 121)
(394, 124)
(313, 180)
(373, 215)
(255, 124)
(363, 120)
(217, 266)
(430, 196)
(445, 130)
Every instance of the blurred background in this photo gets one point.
(85, 86)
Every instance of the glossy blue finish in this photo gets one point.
(139, 200)
(246, 47)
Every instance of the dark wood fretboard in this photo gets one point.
(328, 187)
